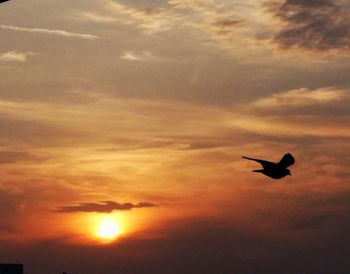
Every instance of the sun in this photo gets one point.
(108, 229)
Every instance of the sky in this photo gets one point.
(138, 113)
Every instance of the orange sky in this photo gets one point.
(141, 110)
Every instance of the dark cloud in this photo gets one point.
(304, 213)
(314, 24)
(225, 26)
(227, 22)
(106, 206)
(315, 222)
(310, 3)
(263, 232)
(198, 245)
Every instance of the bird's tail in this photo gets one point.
(249, 158)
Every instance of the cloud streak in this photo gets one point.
(14, 56)
(144, 56)
(62, 33)
(104, 207)
(302, 97)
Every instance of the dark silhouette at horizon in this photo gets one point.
(11, 268)
(275, 170)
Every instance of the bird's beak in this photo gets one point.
(290, 174)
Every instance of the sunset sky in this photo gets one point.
(133, 115)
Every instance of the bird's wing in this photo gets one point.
(265, 164)
(287, 160)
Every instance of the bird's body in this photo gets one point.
(275, 170)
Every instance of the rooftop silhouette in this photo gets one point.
(11, 268)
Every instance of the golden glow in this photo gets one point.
(108, 229)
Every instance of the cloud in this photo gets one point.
(302, 97)
(93, 17)
(315, 25)
(151, 20)
(327, 211)
(107, 207)
(298, 112)
(144, 56)
(285, 114)
(204, 21)
(130, 56)
(50, 32)
(14, 56)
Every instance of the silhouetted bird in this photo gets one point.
(273, 170)
(2, 1)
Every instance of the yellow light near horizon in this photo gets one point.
(108, 229)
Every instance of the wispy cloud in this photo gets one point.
(150, 20)
(97, 18)
(130, 56)
(50, 32)
(209, 22)
(302, 97)
(299, 112)
(104, 207)
(144, 56)
(14, 56)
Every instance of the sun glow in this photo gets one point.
(108, 229)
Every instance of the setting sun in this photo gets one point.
(108, 229)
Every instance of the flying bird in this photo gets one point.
(275, 170)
